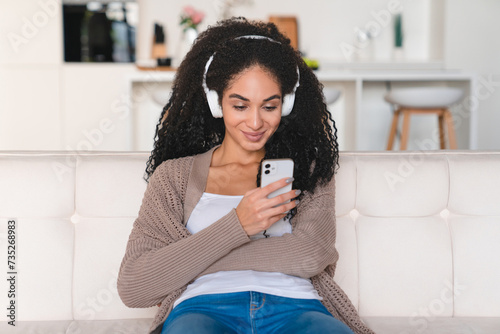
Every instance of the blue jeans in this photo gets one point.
(252, 313)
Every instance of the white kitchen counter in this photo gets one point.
(393, 75)
(338, 75)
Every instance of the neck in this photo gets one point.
(228, 153)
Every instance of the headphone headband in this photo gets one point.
(213, 97)
(258, 37)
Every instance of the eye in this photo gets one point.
(270, 108)
(239, 108)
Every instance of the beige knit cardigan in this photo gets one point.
(162, 257)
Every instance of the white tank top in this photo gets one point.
(209, 209)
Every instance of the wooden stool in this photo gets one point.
(435, 100)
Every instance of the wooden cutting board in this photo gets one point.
(288, 26)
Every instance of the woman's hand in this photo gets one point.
(257, 213)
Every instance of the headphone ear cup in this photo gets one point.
(213, 103)
(288, 101)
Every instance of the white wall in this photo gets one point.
(93, 99)
(30, 58)
(324, 26)
(46, 104)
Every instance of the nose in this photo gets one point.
(254, 120)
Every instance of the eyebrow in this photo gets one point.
(237, 96)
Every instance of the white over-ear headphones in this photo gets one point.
(213, 97)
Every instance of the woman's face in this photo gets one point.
(251, 108)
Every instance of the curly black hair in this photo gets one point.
(187, 127)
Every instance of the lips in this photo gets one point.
(254, 136)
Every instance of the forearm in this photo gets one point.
(304, 253)
(307, 251)
(150, 269)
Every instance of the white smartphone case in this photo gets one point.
(273, 170)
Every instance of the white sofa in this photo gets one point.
(418, 237)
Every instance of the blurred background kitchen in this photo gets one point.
(81, 75)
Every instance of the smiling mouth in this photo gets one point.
(253, 136)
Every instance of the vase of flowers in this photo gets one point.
(398, 37)
(190, 19)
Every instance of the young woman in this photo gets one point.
(209, 247)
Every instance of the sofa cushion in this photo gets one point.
(122, 326)
(476, 265)
(38, 186)
(345, 184)
(418, 234)
(346, 273)
(433, 325)
(99, 247)
(110, 186)
(406, 185)
(474, 189)
(405, 265)
(44, 266)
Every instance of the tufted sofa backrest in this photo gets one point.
(418, 233)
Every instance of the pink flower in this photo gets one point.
(189, 10)
(197, 17)
(190, 17)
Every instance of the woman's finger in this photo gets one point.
(284, 198)
(282, 210)
(276, 185)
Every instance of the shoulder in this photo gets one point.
(172, 174)
(176, 166)
(323, 188)
(323, 197)
(179, 170)
(326, 186)
(184, 165)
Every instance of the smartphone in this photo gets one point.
(273, 170)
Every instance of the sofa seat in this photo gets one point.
(436, 325)
(122, 326)
(381, 325)
(418, 234)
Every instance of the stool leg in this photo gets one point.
(451, 130)
(442, 143)
(406, 129)
(394, 127)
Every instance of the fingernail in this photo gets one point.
(289, 180)
(297, 192)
